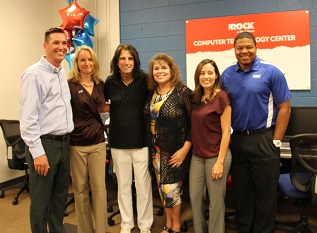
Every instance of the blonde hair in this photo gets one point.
(74, 74)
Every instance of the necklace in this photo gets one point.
(126, 98)
(87, 85)
(164, 90)
(127, 82)
(160, 97)
(206, 99)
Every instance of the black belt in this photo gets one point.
(249, 132)
(52, 137)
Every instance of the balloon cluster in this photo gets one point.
(79, 26)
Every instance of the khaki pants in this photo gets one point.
(88, 174)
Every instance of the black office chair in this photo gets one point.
(114, 179)
(68, 203)
(111, 222)
(300, 185)
(17, 161)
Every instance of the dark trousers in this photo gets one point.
(255, 171)
(49, 193)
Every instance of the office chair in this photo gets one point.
(300, 185)
(114, 180)
(71, 201)
(17, 159)
(111, 222)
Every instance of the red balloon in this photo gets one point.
(73, 16)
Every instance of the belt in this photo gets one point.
(52, 137)
(249, 132)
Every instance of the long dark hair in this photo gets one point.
(114, 62)
(199, 90)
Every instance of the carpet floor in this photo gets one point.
(15, 218)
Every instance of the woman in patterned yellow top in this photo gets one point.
(167, 112)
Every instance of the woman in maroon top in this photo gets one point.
(211, 158)
(88, 148)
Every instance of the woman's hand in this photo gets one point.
(178, 157)
(217, 171)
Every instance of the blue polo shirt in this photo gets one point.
(254, 94)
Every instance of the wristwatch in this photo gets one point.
(277, 143)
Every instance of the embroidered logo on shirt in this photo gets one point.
(81, 91)
(256, 76)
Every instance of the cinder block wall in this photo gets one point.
(154, 26)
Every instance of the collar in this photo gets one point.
(49, 66)
(254, 66)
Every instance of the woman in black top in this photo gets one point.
(126, 90)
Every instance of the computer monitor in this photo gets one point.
(303, 120)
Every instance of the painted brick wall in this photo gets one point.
(154, 26)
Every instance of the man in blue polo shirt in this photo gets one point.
(260, 101)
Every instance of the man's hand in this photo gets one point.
(41, 165)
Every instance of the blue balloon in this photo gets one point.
(70, 1)
(81, 38)
(89, 24)
(70, 58)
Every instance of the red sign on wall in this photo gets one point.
(280, 36)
